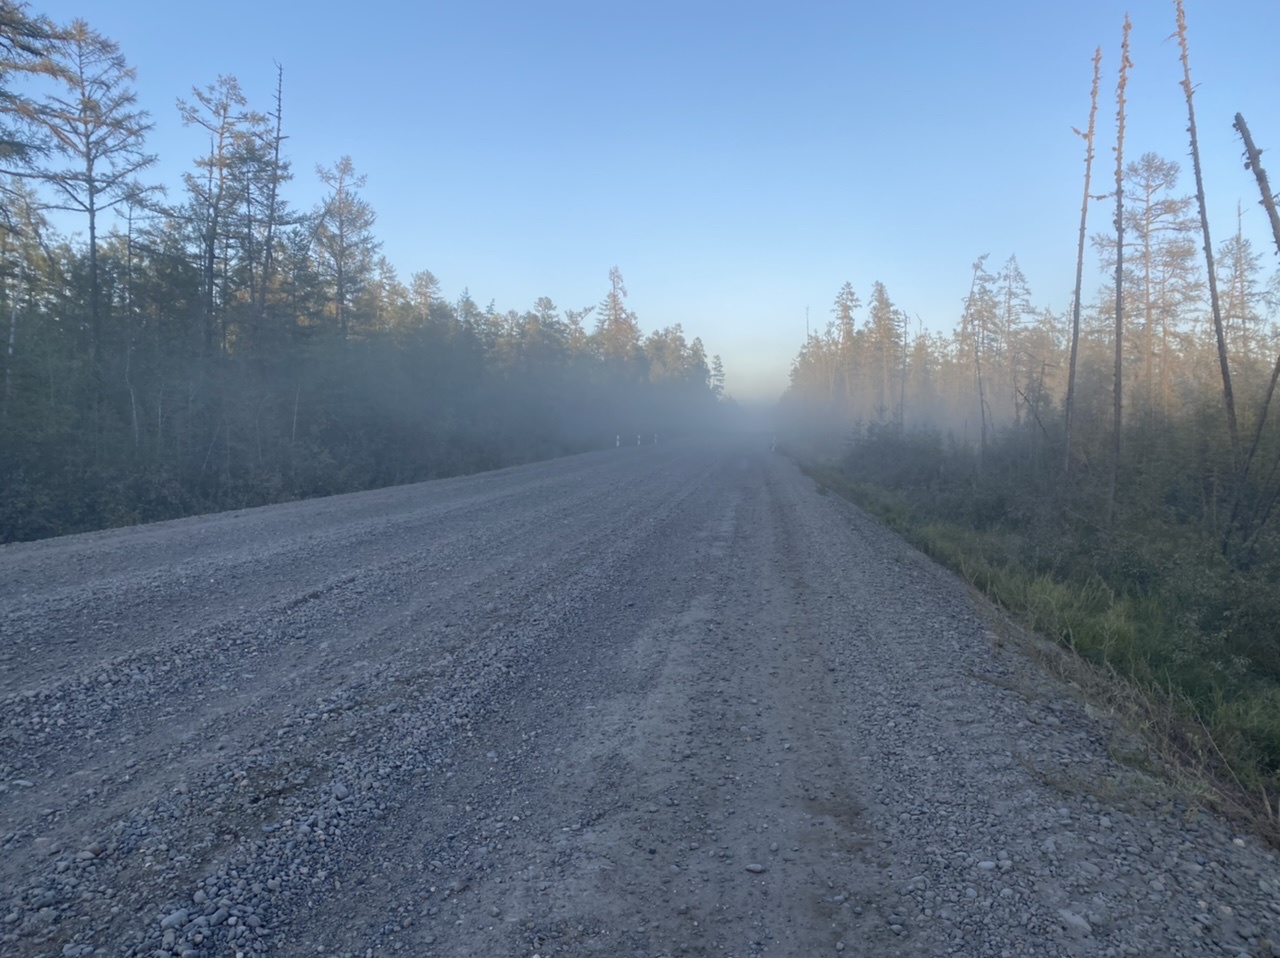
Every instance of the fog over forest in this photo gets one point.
(1096, 488)
(206, 346)
(1110, 475)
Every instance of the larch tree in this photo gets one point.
(263, 198)
(424, 289)
(580, 341)
(844, 308)
(221, 109)
(1015, 309)
(717, 377)
(976, 335)
(27, 48)
(96, 127)
(697, 370)
(616, 326)
(1239, 275)
(344, 238)
(22, 253)
(1159, 220)
(383, 299)
(884, 339)
(544, 336)
(667, 353)
(545, 312)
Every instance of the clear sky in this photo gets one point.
(738, 161)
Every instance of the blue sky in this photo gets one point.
(737, 161)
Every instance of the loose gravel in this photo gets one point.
(656, 701)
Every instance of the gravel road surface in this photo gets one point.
(656, 701)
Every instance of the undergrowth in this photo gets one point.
(1146, 600)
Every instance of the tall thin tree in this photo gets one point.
(1118, 395)
(1228, 396)
(1253, 161)
(344, 237)
(97, 127)
(27, 47)
(221, 109)
(278, 171)
(975, 323)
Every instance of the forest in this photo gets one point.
(1109, 475)
(204, 346)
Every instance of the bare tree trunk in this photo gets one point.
(1228, 397)
(1125, 63)
(978, 332)
(128, 338)
(1254, 162)
(13, 339)
(249, 253)
(1148, 335)
(95, 303)
(268, 254)
(902, 386)
(206, 263)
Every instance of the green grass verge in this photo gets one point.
(1228, 717)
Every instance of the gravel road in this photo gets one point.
(656, 701)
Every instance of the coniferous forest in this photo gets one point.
(204, 345)
(1110, 474)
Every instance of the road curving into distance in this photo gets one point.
(655, 701)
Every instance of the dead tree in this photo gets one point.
(1228, 397)
(1084, 216)
(1253, 161)
(1125, 63)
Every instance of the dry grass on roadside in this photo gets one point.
(1152, 729)
(1149, 731)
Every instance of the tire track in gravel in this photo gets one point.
(702, 797)
(654, 702)
(89, 753)
(134, 588)
(788, 734)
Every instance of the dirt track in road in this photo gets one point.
(645, 702)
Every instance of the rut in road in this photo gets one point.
(647, 702)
